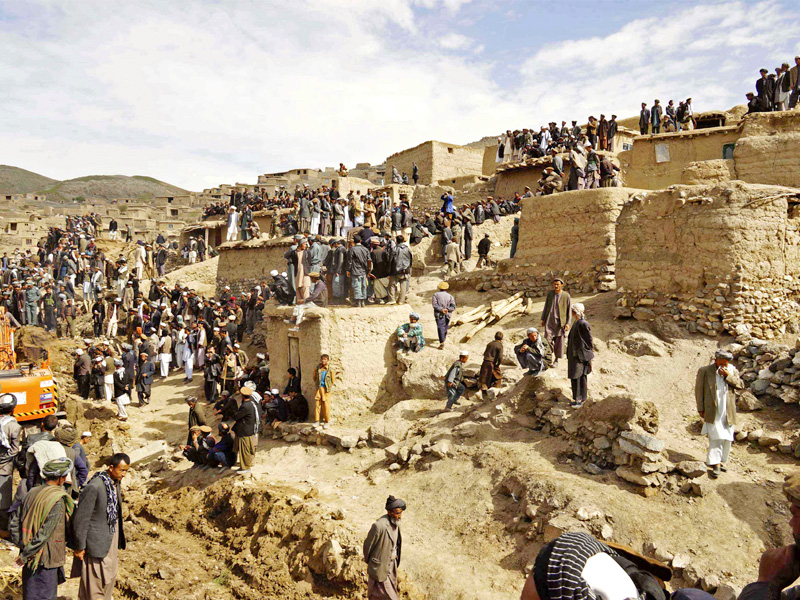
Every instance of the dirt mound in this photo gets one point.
(31, 342)
(201, 277)
(236, 539)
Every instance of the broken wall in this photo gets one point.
(437, 161)
(716, 256)
(360, 345)
(243, 265)
(570, 234)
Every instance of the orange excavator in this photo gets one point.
(32, 384)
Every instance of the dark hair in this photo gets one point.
(292, 371)
(325, 356)
(50, 422)
(119, 457)
(498, 335)
(7, 409)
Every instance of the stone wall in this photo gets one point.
(489, 162)
(245, 264)
(437, 161)
(721, 257)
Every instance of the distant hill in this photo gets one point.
(14, 180)
(109, 187)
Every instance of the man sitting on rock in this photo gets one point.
(534, 353)
(409, 335)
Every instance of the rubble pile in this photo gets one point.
(617, 432)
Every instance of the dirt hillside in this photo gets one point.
(14, 180)
(109, 187)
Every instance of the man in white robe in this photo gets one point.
(718, 408)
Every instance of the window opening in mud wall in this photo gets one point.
(727, 150)
(294, 354)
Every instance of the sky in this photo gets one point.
(203, 92)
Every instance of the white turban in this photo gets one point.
(578, 309)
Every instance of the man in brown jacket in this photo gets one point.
(556, 317)
(382, 552)
(490, 375)
(718, 408)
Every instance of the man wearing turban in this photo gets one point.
(39, 529)
(382, 552)
(717, 408)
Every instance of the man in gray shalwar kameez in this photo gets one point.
(382, 552)
(556, 317)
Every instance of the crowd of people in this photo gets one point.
(776, 91)
(521, 144)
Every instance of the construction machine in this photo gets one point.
(31, 383)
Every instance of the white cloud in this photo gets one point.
(221, 90)
(454, 41)
(688, 54)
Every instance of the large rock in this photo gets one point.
(148, 452)
(623, 411)
(646, 441)
(636, 477)
(691, 468)
(642, 344)
(424, 372)
(747, 402)
(393, 425)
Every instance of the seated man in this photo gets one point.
(409, 335)
(298, 407)
(276, 409)
(222, 453)
(550, 182)
(534, 353)
(201, 443)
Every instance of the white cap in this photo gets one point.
(78, 351)
(273, 273)
(463, 353)
(86, 434)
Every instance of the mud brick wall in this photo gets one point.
(721, 257)
(436, 161)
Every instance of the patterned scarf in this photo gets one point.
(111, 497)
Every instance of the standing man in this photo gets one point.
(358, 267)
(382, 552)
(717, 408)
(415, 173)
(39, 529)
(644, 119)
(454, 380)
(246, 430)
(483, 251)
(556, 317)
(324, 379)
(655, 116)
(97, 530)
(444, 305)
(10, 439)
(612, 132)
(490, 375)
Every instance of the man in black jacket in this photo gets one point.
(247, 420)
(97, 529)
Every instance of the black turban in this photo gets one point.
(393, 503)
